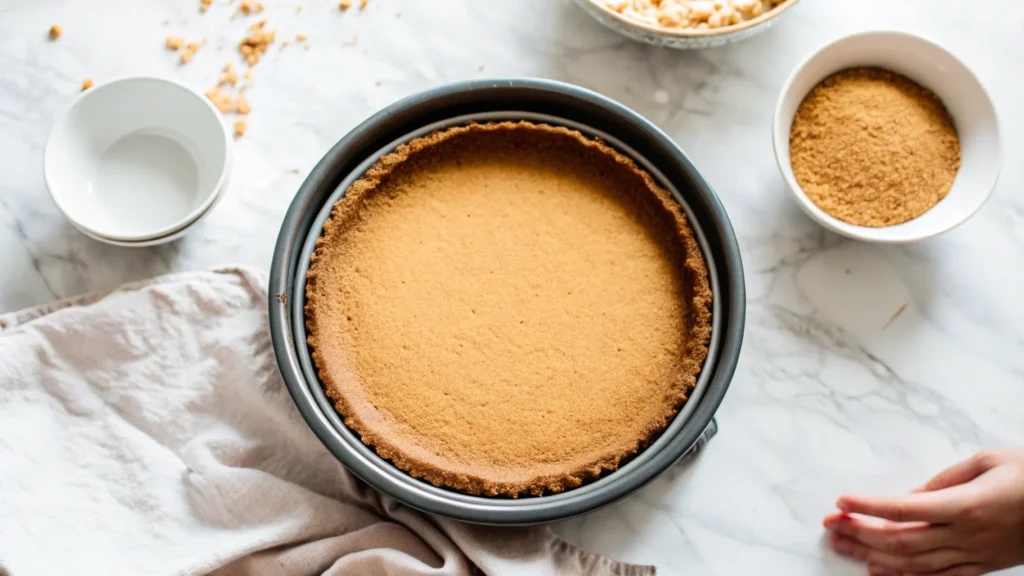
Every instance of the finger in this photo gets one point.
(886, 564)
(891, 537)
(958, 570)
(958, 473)
(937, 507)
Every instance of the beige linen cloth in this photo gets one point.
(148, 432)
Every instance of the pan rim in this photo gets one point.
(322, 182)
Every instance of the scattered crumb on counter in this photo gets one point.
(248, 74)
(229, 76)
(86, 84)
(255, 45)
(298, 8)
(363, 4)
(284, 44)
(301, 37)
(174, 42)
(167, 21)
(344, 4)
(378, 83)
(242, 104)
(248, 7)
(240, 127)
(204, 5)
(55, 31)
(481, 67)
(222, 101)
(190, 50)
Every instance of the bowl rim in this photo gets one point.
(195, 214)
(691, 32)
(452, 100)
(868, 233)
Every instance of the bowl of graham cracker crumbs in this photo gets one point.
(886, 137)
(687, 24)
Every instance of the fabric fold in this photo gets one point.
(146, 431)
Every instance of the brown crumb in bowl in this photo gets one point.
(873, 148)
(55, 31)
(240, 127)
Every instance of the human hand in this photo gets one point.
(968, 520)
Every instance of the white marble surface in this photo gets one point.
(834, 391)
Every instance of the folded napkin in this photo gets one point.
(147, 432)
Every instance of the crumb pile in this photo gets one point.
(873, 148)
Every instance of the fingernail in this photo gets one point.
(842, 505)
(831, 522)
(876, 570)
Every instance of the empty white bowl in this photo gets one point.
(933, 67)
(137, 160)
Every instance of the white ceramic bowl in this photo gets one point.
(933, 67)
(137, 159)
(688, 38)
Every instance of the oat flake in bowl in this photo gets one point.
(685, 14)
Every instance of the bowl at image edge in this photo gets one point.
(682, 38)
(933, 67)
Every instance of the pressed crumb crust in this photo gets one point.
(507, 308)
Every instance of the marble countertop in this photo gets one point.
(865, 368)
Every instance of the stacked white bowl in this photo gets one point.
(137, 161)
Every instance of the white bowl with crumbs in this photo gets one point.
(687, 24)
(137, 161)
(922, 171)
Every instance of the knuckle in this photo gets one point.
(897, 545)
(989, 458)
(898, 511)
(972, 513)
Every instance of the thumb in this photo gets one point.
(960, 473)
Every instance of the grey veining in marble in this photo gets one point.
(865, 367)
